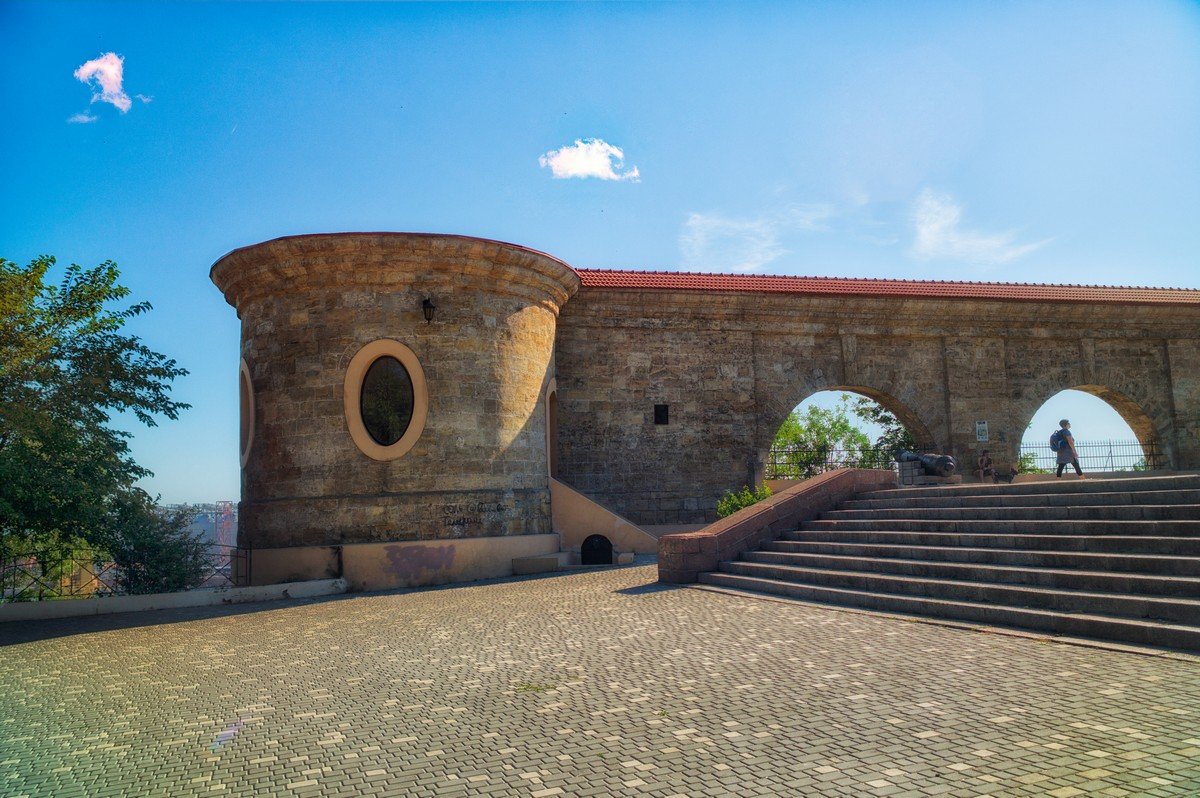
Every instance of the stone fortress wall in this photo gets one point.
(466, 489)
(731, 366)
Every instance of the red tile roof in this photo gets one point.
(922, 289)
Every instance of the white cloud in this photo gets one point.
(711, 242)
(714, 243)
(813, 217)
(106, 72)
(589, 158)
(939, 236)
(82, 118)
(144, 99)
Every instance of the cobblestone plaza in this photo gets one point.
(590, 684)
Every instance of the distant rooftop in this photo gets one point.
(921, 289)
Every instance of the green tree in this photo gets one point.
(731, 502)
(153, 550)
(1027, 463)
(895, 436)
(66, 367)
(813, 438)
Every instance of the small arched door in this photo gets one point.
(596, 550)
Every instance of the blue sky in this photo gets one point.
(1039, 142)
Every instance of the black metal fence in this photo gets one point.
(790, 463)
(90, 573)
(1093, 456)
(1098, 456)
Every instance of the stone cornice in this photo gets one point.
(391, 262)
(884, 316)
(885, 286)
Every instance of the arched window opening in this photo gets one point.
(245, 412)
(1110, 431)
(552, 429)
(841, 429)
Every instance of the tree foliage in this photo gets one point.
(154, 551)
(1027, 463)
(814, 439)
(895, 436)
(816, 427)
(66, 367)
(731, 502)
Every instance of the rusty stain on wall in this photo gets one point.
(412, 563)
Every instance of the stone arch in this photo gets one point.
(552, 428)
(596, 550)
(777, 411)
(905, 415)
(1151, 436)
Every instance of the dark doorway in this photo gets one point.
(596, 550)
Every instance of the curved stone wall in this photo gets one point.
(308, 304)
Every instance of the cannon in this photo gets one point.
(935, 465)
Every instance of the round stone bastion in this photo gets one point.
(393, 389)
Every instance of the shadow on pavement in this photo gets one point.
(17, 632)
(651, 587)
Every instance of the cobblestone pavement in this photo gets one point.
(589, 684)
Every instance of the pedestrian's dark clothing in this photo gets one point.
(985, 468)
(1066, 446)
(1066, 453)
(1072, 462)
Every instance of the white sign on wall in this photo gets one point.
(981, 431)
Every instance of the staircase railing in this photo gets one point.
(682, 557)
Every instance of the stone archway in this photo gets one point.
(552, 428)
(905, 415)
(596, 550)
(1131, 412)
(901, 411)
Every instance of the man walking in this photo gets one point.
(1067, 454)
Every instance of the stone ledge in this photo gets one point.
(682, 557)
(108, 605)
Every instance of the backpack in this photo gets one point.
(1056, 441)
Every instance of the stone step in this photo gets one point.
(1182, 481)
(1098, 527)
(1141, 497)
(1113, 544)
(1081, 560)
(1055, 578)
(1117, 559)
(1127, 630)
(1123, 605)
(1073, 512)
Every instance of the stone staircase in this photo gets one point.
(1115, 559)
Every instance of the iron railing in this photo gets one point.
(1100, 456)
(789, 463)
(91, 573)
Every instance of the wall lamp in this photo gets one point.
(427, 307)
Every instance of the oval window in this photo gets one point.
(246, 411)
(386, 400)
